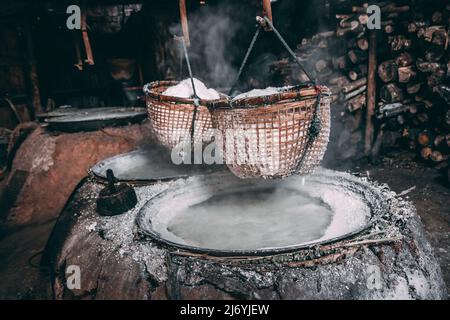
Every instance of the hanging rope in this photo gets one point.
(196, 98)
(262, 21)
(181, 63)
(244, 62)
(289, 49)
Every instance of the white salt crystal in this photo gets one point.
(184, 90)
(257, 93)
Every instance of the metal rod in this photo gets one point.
(288, 48)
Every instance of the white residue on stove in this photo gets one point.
(119, 234)
(184, 90)
(43, 160)
(91, 227)
(350, 211)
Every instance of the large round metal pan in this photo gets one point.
(89, 121)
(71, 111)
(143, 166)
(371, 195)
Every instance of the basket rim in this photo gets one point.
(294, 93)
(149, 90)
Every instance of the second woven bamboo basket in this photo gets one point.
(271, 136)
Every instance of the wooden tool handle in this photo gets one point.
(111, 179)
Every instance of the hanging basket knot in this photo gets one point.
(316, 124)
(315, 128)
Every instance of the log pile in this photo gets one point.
(414, 81)
(412, 77)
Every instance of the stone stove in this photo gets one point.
(383, 255)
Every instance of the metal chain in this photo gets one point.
(244, 62)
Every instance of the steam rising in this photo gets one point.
(212, 30)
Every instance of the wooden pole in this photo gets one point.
(267, 7)
(79, 63)
(371, 92)
(184, 22)
(87, 44)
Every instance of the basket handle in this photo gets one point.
(267, 11)
(244, 62)
(286, 46)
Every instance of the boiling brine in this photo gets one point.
(254, 219)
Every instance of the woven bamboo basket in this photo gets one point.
(171, 117)
(271, 136)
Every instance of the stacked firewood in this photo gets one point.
(412, 75)
(414, 95)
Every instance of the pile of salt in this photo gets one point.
(184, 90)
(261, 92)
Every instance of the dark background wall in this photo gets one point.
(35, 39)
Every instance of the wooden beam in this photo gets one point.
(79, 62)
(87, 44)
